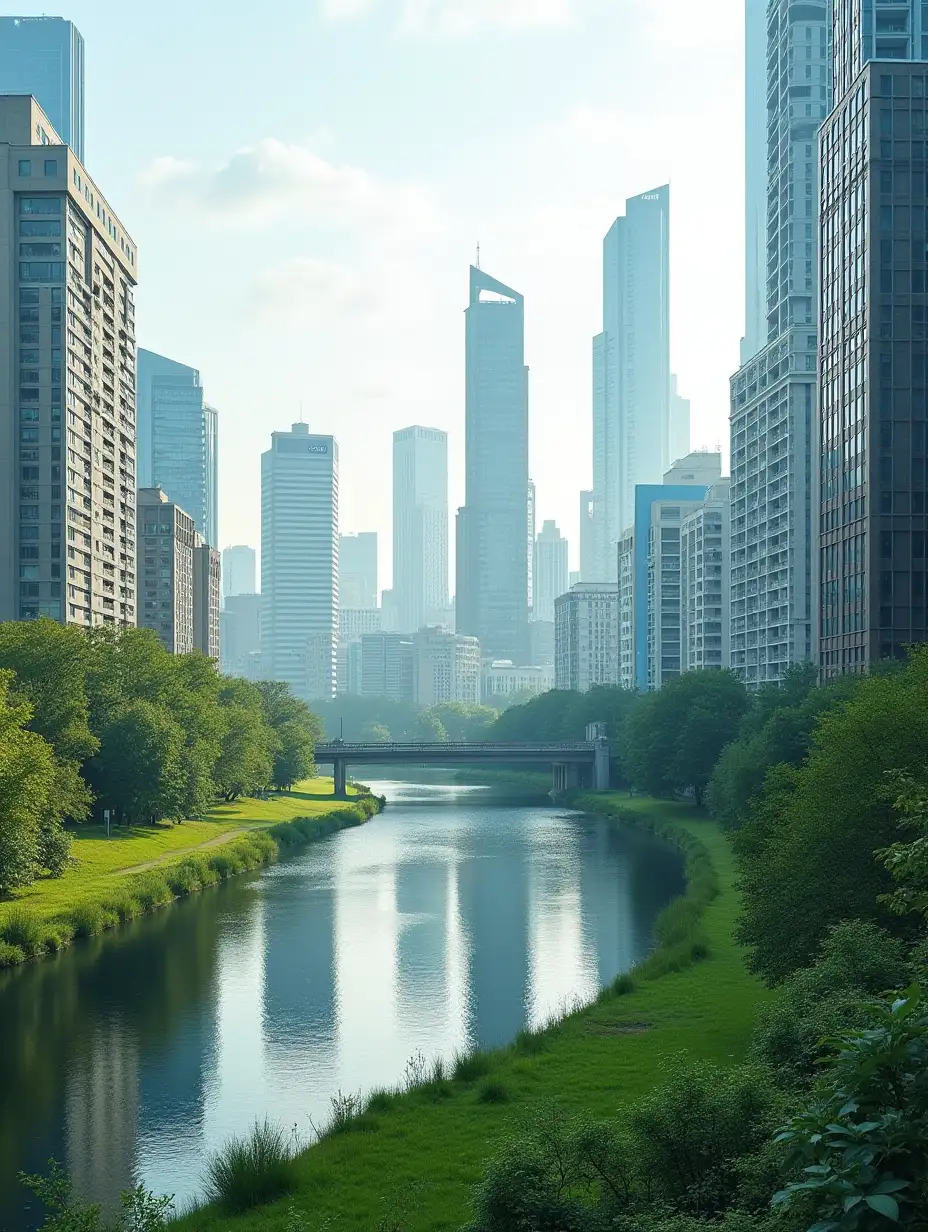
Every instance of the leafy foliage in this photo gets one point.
(140, 1210)
(27, 780)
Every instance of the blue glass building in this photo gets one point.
(876, 30)
(44, 57)
(177, 435)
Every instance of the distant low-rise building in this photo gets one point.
(240, 636)
(446, 667)
(504, 679)
(387, 666)
(207, 598)
(179, 577)
(586, 637)
(353, 624)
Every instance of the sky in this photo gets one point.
(308, 181)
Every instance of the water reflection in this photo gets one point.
(450, 921)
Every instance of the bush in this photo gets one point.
(23, 931)
(123, 905)
(89, 918)
(11, 955)
(380, 1101)
(151, 890)
(248, 1172)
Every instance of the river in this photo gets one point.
(452, 920)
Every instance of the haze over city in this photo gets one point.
(308, 185)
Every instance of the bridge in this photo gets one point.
(574, 764)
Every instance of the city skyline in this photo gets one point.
(390, 291)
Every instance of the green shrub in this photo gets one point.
(58, 935)
(380, 1101)
(469, 1066)
(22, 930)
(123, 905)
(530, 1043)
(492, 1091)
(623, 984)
(151, 890)
(88, 919)
(11, 955)
(249, 1172)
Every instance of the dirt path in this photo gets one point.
(179, 852)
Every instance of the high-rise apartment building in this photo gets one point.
(299, 561)
(773, 394)
(420, 526)
(239, 571)
(530, 558)
(551, 570)
(178, 439)
(179, 585)
(586, 538)
(586, 637)
(357, 570)
(755, 178)
(387, 666)
(44, 57)
(492, 528)
(649, 617)
(705, 576)
(67, 394)
(240, 636)
(631, 369)
(679, 423)
(353, 624)
(446, 668)
(871, 434)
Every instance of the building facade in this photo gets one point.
(299, 561)
(531, 513)
(650, 614)
(420, 525)
(240, 636)
(492, 527)
(67, 385)
(503, 682)
(631, 369)
(679, 422)
(551, 570)
(357, 570)
(353, 624)
(876, 30)
(239, 571)
(207, 598)
(446, 668)
(586, 637)
(871, 434)
(44, 57)
(705, 602)
(773, 394)
(387, 666)
(755, 178)
(167, 577)
(178, 439)
(586, 539)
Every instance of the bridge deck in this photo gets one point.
(580, 752)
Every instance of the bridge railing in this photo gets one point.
(476, 746)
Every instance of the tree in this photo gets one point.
(140, 771)
(296, 731)
(246, 761)
(674, 736)
(375, 733)
(429, 729)
(807, 851)
(27, 779)
(907, 862)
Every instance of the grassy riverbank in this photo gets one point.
(135, 870)
(411, 1160)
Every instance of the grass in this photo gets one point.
(247, 1172)
(113, 880)
(693, 994)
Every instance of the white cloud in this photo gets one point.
(459, 17)
(263, 181)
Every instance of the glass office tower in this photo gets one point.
(44, 57)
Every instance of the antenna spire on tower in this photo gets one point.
(478, 254)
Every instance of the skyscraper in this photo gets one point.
(631, 369)
(587, 542)
(238, 571)
(492, 530)
(871, 434)
(299, 561)
(178, 439)
(772, 395)
(755, 178)
(420, 526)
(530, 556)
(67, 480)
(44, 57)
(679, 423)
(551, 571)
(357, 570)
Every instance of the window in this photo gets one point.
(29, 227)
(28, 355)
(29, 513)
(29, 435)
(41, 271)
(25, 166)
(40, 205)
(40, 250)
(51, 166)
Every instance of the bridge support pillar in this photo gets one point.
(601, 766)
(341, 779)
(558, 778)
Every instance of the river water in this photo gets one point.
(450, 921)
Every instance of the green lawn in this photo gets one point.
(101, 862)
(418, 1161)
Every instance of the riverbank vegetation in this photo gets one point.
(108, 723)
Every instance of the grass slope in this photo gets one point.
(411, 1161)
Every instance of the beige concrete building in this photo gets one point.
(446, 667)
(503, 679)
(207, 597)
(167, 540)
(67, 384)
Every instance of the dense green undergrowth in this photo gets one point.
(25, 934)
